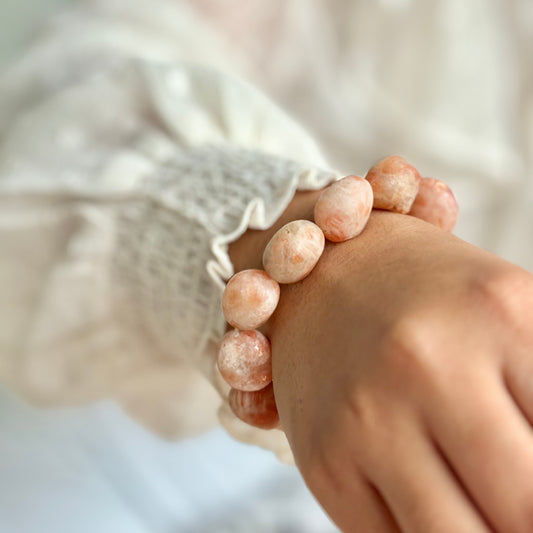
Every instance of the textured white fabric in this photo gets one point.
(121, 189)
(132, 153)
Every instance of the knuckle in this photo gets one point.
(405, 348)
(362, 414)
(506, 293)
(368, 413)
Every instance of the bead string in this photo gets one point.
(341, 213)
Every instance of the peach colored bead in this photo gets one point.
(342, 210)
(395, 184)
(256, 408)
(293, 251)
(244, 360)
(436, 204)
(250, 297)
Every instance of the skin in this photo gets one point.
(403, 376)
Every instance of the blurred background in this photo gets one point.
(93, 469)
(18, 22)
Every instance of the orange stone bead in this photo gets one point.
(343, 209)
(244, 360)
(436, 204)
(395, 184)
(250, 298)
(293, 251)
(256, 408)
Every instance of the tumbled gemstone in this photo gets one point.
(244, 360)
(395, 184)
(257, 408)
(342, 210)
(250, 298)
(436, 204)
(293, 251)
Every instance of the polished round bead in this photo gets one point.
(395, 184)
(293, 251)
(250, 297)
(343, 208)
(244, 360)
(436, 204)
(256, 408)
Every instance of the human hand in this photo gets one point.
(403, 375)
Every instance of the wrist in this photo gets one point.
(292, 248)
(247, 251)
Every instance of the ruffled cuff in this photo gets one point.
(206, 198)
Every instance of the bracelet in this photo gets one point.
(244, 355)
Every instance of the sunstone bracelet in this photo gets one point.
(341, 213)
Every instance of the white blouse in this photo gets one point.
(132, 151)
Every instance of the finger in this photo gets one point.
(489, 444)
(351, 502)
(420, 489)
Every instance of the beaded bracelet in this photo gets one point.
(341, 212)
